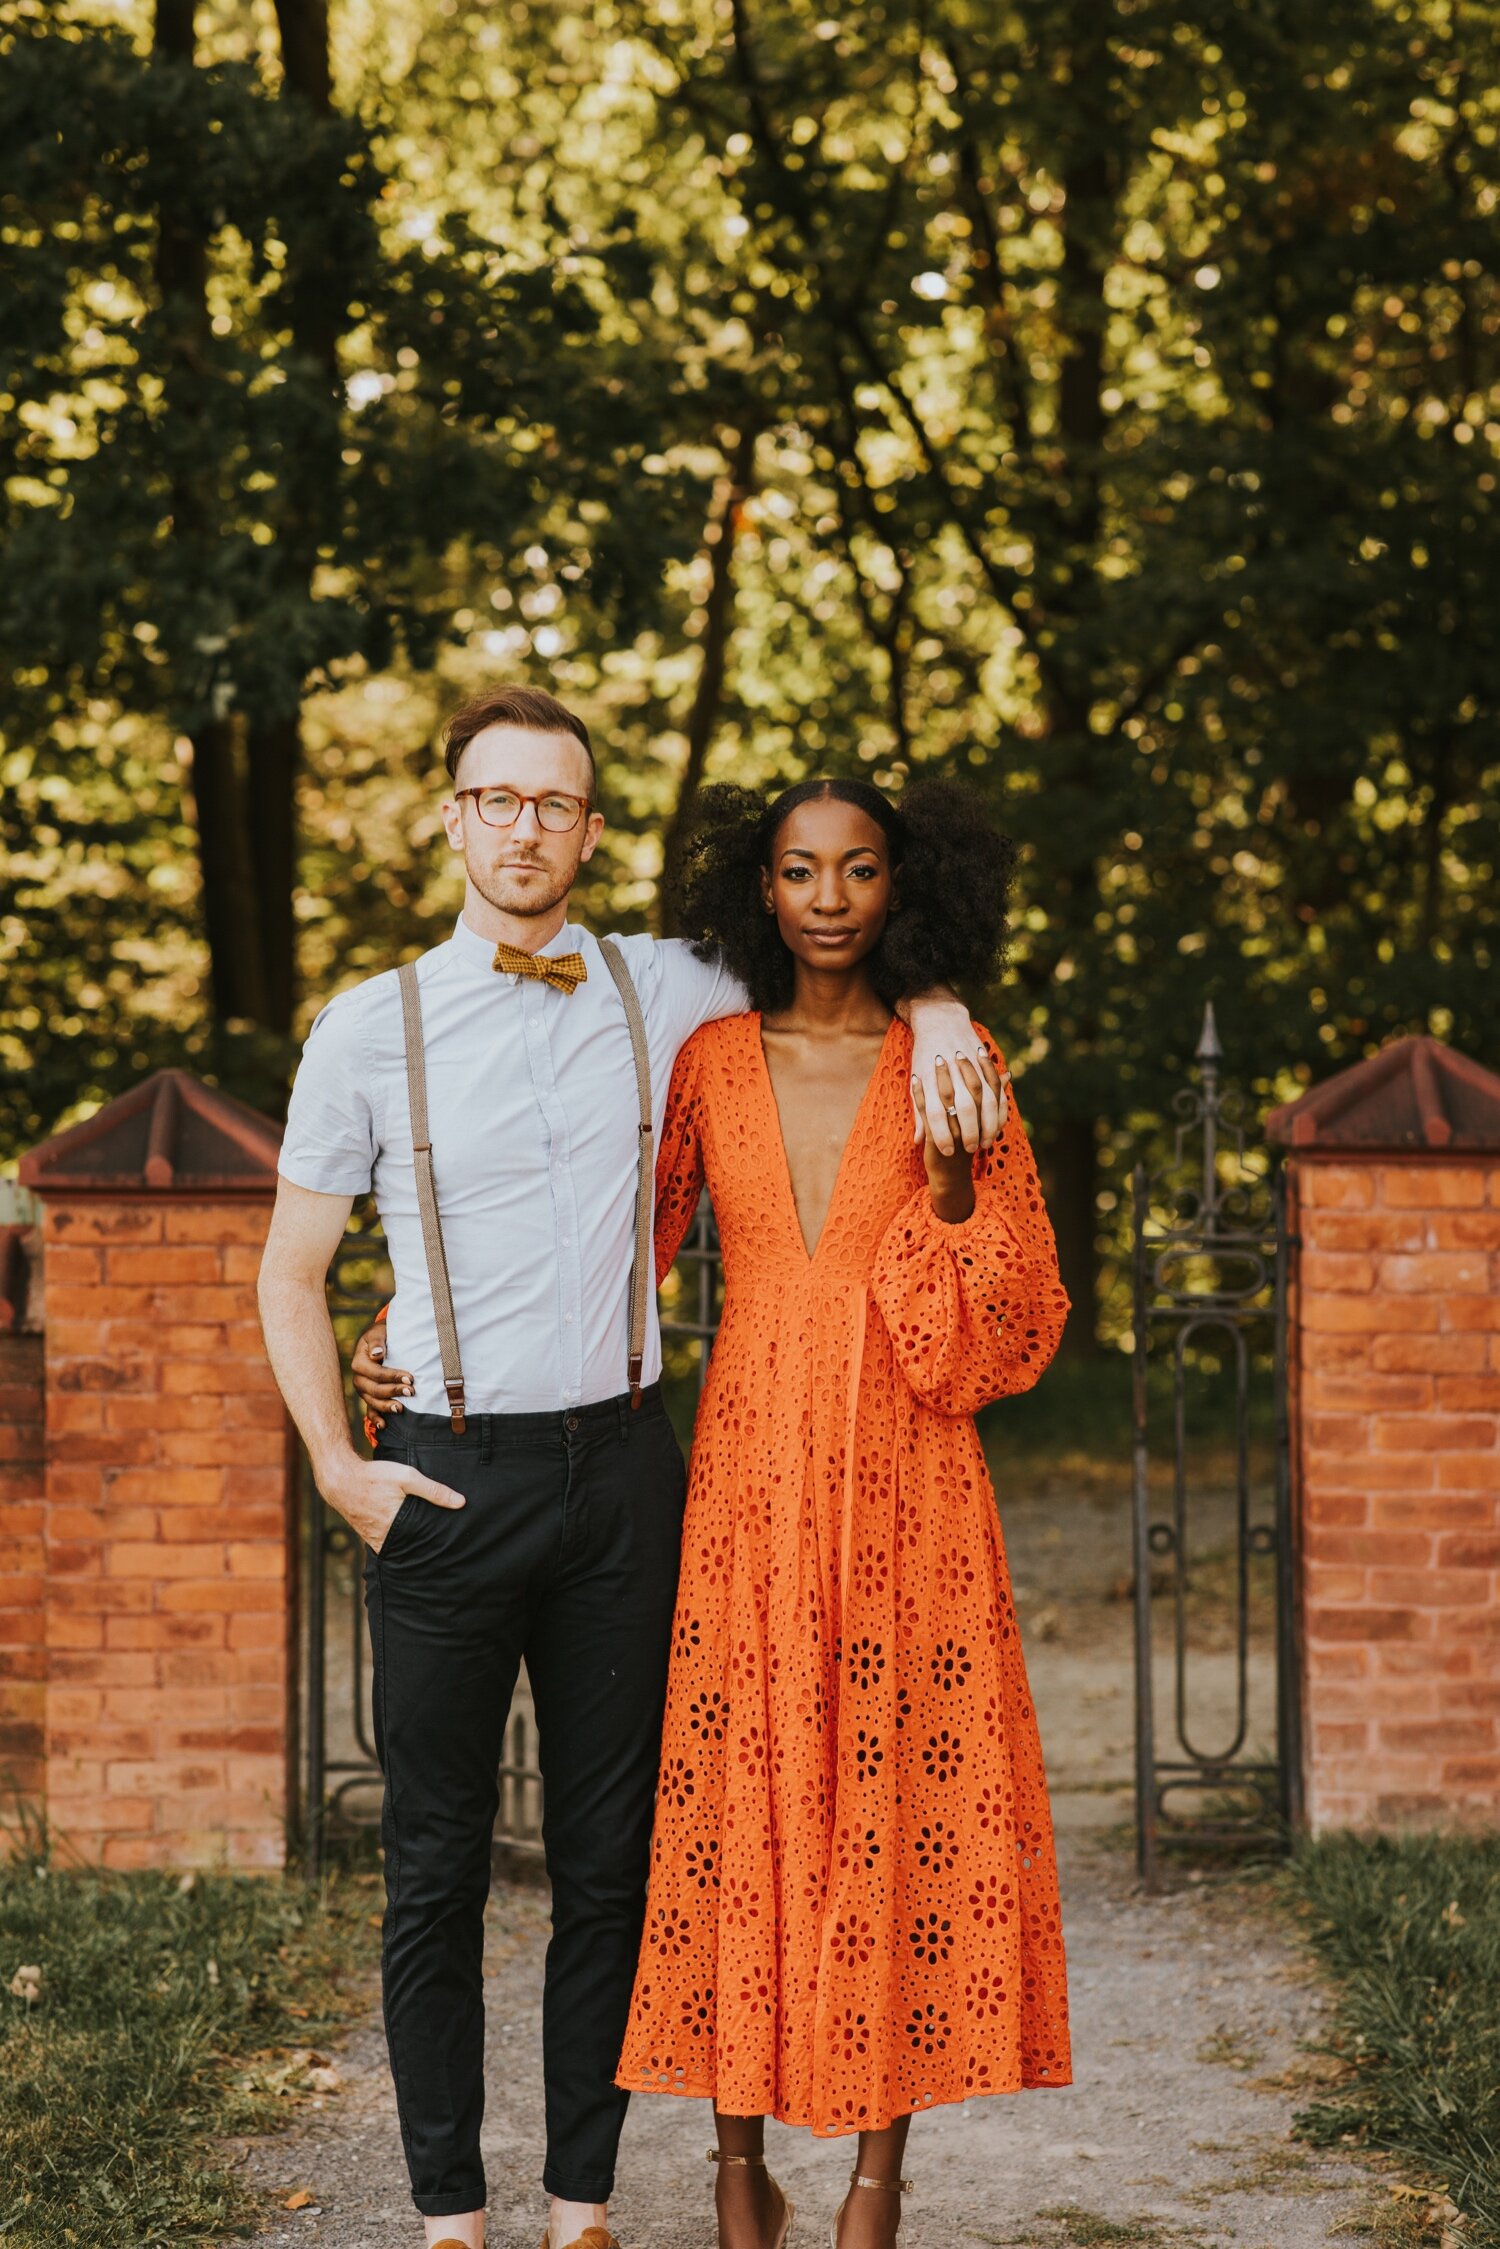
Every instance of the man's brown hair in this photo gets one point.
(530, 707)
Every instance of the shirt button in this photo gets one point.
(567, 1319)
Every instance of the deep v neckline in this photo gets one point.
(769, 1086)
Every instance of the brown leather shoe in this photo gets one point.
(592, 2237)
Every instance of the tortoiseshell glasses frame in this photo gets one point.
(556, 810)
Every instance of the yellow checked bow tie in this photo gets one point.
(563, 971)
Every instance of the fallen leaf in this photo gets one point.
(26, 1984)
(299, 2200)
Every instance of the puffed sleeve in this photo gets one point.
(679, 1160)
(974, 1311)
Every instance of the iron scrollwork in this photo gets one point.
(1210, 1274)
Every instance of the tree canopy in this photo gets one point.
(1096, 397)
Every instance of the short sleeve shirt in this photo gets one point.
(533, 1111)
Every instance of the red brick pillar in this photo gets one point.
(22, 1501)
(1395, 1190)
(169, 1643)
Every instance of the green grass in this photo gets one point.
(1088, 2229)
(1073, 2228)
(1410, 1933)
(171, 2012)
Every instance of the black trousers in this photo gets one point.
(565, 1554)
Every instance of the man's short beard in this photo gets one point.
(531, 904)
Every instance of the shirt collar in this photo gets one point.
(479, 952)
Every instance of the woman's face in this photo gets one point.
(829, 883)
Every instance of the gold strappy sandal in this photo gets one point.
(758, 2163)
(858, 2179)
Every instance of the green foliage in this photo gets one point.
(1123, 388)
(245, 427)
(164, 2019)
(1410, 1932)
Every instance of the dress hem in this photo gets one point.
(798, 2120)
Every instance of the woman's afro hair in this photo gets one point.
(954, 879)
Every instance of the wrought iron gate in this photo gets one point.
(342, 1784)
(1210, 1274)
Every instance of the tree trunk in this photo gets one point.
(717, 628)
(1070, 583)
(231, 919)
(173, 32)
(231, 895)
(309, 483)
(275, 760)
(303, 29)
(1070, 1167)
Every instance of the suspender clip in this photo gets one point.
(633, 1375)
(455, 1392)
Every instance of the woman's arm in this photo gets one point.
(679, 1161)
(950, 1172)
(974, 1309)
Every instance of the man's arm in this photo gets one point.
(701, 991)
(943, 1035)
(306, 1229)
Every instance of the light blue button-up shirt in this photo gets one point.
(532, 1103)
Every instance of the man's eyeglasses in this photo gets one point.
(501, 808)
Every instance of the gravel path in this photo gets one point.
(1188, 2012)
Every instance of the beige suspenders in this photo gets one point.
(432, 1232)
(645, 1178)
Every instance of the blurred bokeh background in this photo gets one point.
(1098, 398)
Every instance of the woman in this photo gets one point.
(853, 1910)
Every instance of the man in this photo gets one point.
(528, 1504)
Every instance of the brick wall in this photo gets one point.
(22, 1618)
(1398, 1383)
(168, 1629)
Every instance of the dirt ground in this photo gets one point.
(1192, 2014)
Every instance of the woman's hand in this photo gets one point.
(380, 1388)
(950, 1175)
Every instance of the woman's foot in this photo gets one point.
(871, 2215)
(753, 2212)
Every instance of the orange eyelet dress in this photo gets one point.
(853, 1909)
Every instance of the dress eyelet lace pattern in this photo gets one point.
(853, 1910)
